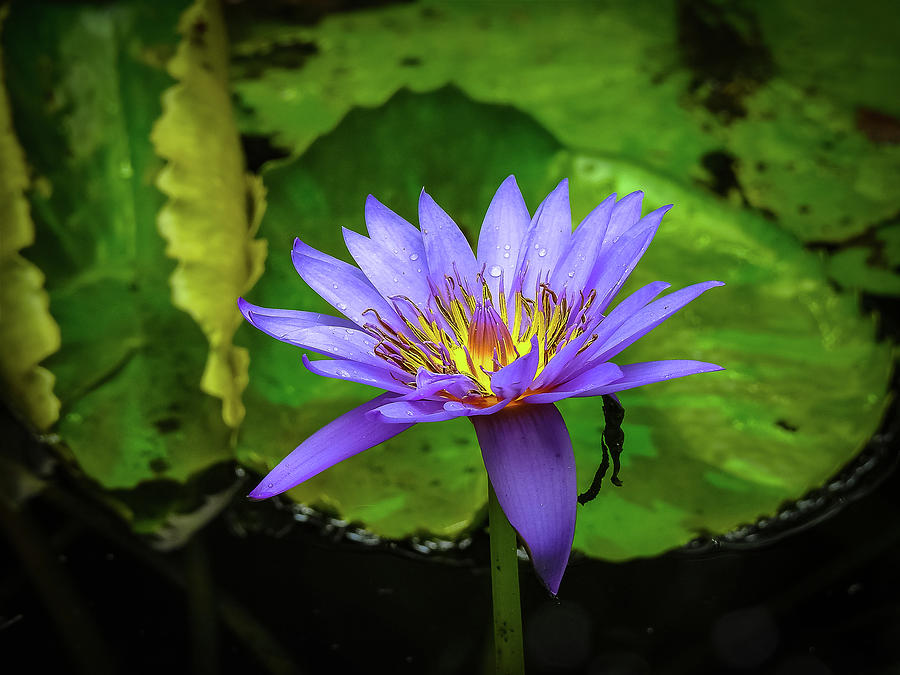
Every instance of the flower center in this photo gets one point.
(461, 333)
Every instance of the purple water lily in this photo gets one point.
(497, 337)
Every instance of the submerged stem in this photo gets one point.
(505, 591)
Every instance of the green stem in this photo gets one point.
(505, 591)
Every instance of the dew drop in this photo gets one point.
(507, 247)
(334, 349)
(414, 257)
(542, 252)
(506, 255)
(270, 485)
(418, 269)
(571, 274)
(396, 279)
(495, 271)
(409, 413)
(537, 245)
(334, 285)
(342, 306)
(343, 373)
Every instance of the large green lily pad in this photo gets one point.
(774, 89)
(805, 383)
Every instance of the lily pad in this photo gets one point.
(804, 387)
(85, 91)
(640, 91)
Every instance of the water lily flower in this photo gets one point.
(498, 337)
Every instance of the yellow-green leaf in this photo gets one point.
(28, 333)
(213, 209)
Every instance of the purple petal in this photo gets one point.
(529, 459)
(577, 262)
(344, 343)
(428, 384)
(614, 266)
(648, 318)
(639, 374)
(501, 235)
(590, 379)
(392, 271)
(348, 435)
(343, 286)
(400, 411)
(546, 237)
(624, 216)
(513, 379)
(353, 371)
(445, 245)
(391, 231)
(292, 319)
(568, 363)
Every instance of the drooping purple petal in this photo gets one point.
(501, 235)
(354, 371)
(348, 435)
(514, 378)
(577, 261)
(399, 411)
(546, 237)
(600, 375)
(343, 286)
(292, 319)
(643, 321)
(446, 247)
(529, 460)
(639, 374)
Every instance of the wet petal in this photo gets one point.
(343, 286)
(400, 411)
(546, 237)
(292, 319)
(639, 374)
(615, 265)
(428, 384)
(625, 215)
(598, 376)
(348, 435)
(529, 459)
(569, 362)
(501, 235)
(354, 371)
(445, 244)
(643, 321)
(577, 262)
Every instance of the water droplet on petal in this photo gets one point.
(396, 279)
(418, 269)
(409, 413)
(537, 245)
(270, 485)
(414, 257)
(334, 285)
(495, 271)
(542, 252)
(506, 255)
(342, 306)
(571, 274)
(396, 251)
(506, 247)
(343, 373)
(334, 349)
